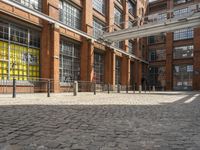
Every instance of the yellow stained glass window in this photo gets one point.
(22, 61)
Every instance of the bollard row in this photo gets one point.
(75, 88)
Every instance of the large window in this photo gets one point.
(120, 1)
(183, 52)
(157, 17)
(117, 70)
(157, 76)
(19, 54)
(69, 61)
(118, 17)
(131, 7)
(182, 34)
(160, 38)
(162, 16)
(99, 67)
(98, 28)
(118, 44)
(181, 12)
(33, 4)
(130, 47)
(99, 5)
(182, 78)
(176, 2)
(70, 14)
(132, 74)
(130, 23)
(157, 55)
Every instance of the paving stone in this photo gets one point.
(155, 121)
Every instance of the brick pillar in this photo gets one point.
(110, 19)
(87, 60)
(132, 66)
(125, 71)
(112, 75)
(107, 66)
(87, 50)
(55, 52)
(170, 4)
(137, 69)
(137, 64)
(50, 37)
(126, 19)
(110, 54)
(45, 51)
(196, 78)
(139, 74)
(84, 61)
(169, 59)
(87, 22)
(128, 70)
(91, 61)
(141, 11)
(110, 67)
(125, 66)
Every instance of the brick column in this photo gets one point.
(128, 70)
(196, 77)
(107, 66)
(126, 19)
(90, 61)
(87, 60)
(110, 12)
(140, 12)
(110, 54)
(84, 61)
(125, 71)
(87, 22)
(87, 50)
(50, 38)
(138, 70)
(45, 51)
(170, 4)
(169, 63)
(137, 64)
(55, 52)
(110, 67)
(125, 66)
(133, 73)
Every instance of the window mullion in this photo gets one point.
(8, 51)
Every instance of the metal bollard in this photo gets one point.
(149, 89)
(75, 87)
(94, 88)
(140, 88)
(154, 88)
(145, 88)
(108, 88)
(126, 88)
(134, 88)
(118, 88)
(48, 88)
(14, 88)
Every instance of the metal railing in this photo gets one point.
(36, 85)
(15, 87)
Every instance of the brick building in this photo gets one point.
(174, 57)
(31, 47)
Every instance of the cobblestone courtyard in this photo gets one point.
(155, 121)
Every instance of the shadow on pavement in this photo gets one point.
(167, 126)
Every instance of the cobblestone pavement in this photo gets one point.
(156, 121)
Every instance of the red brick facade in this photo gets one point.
(51, 35)
(160, 6)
